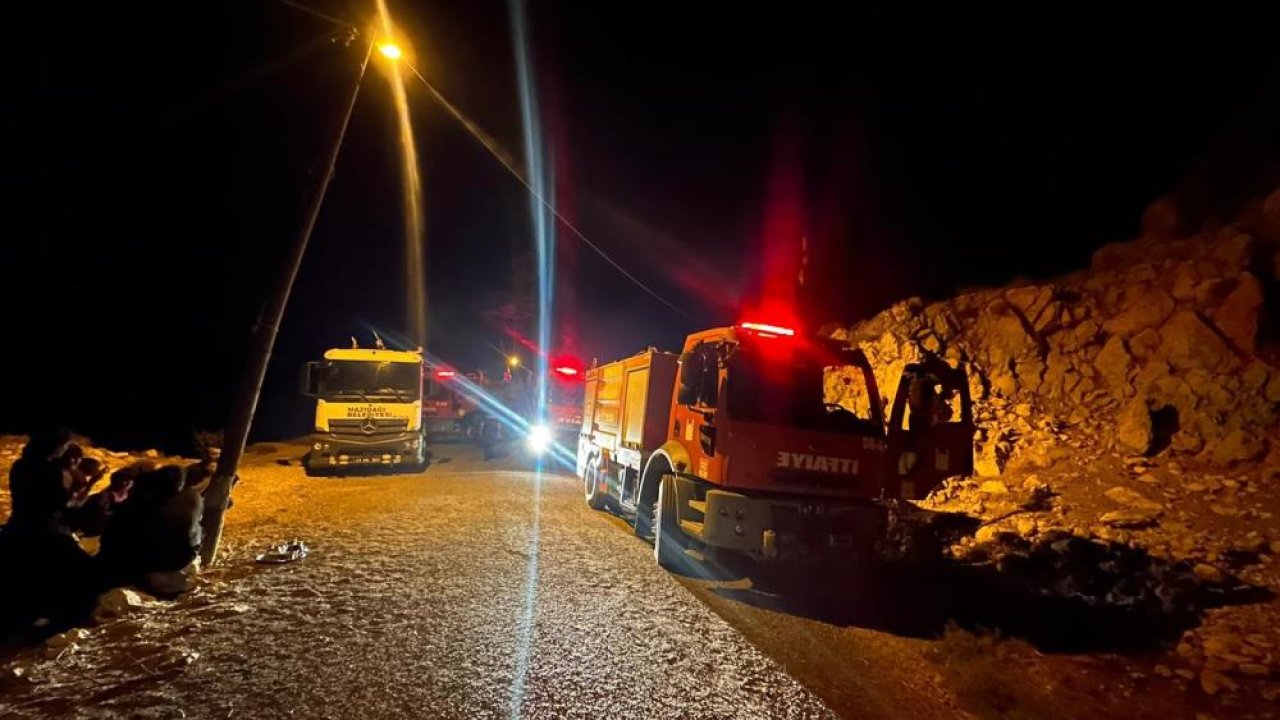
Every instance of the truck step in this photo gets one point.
(698, 506)
(691, 527)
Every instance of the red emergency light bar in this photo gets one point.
(566, 370)
(445, 374)
(768, 331)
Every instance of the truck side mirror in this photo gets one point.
(690, 378)
(699, 377)
(311, 374)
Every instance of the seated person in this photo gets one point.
(89, 517)
(153, 538)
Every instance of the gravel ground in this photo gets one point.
(480, 589)
(463, 592)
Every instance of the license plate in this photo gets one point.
(813, 509)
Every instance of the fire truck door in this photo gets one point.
(930, 427)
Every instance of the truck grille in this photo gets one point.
(369, 428)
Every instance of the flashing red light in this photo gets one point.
(566, 370)
(445, 374)
(768, 331)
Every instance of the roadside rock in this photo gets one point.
(1238, 446)
(1133, 427)
(67, 640)
(1207, 573)
(1213, 682)
(1237, 316)
(116, 603)
(1130, 519)
(1132, 498)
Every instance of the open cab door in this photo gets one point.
(931, 427)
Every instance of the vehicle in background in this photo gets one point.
(445, 409)
(733, 445)
(368, 410)
(563, 418)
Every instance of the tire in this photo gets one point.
(669, 541)
(490, 437)
(597, 499)
(645, 513)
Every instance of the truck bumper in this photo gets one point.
(334, 452)
(442, 425)
(782, 528)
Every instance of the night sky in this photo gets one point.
(157, 158)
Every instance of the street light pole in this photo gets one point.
(264, 338)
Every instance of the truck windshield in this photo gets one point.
(371, 380)
(787, 387)
(565, 393)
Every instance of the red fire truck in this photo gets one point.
(445, 409)
(563, 418)
(733, 444)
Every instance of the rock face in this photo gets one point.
(1157, 346)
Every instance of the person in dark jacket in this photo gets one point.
(48, 579)
(37, 485)
(153, 538)
(89, 518)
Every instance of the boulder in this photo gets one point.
(1186, 342)
(1237, 315)
(1213, 682)
(1134, 431)
(116, 603)
(1236, 251)
(994, 487)
(1130, 518)
(1185, 281)
(1114, 364)
(1143, 345)
(68, 640)
(1141, 307)
(1237, 446)
(1207, 573)
(1132, 498)
(1255, 376)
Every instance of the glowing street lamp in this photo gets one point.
(390, 51)
(513, 361)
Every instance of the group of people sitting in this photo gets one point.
(147, 520)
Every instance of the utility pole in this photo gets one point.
(264, 339)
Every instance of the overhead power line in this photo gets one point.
(507, 161)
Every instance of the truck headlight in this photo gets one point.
(317, 446)
(539, 439)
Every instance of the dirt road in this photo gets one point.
(485, 590)
(473, 590)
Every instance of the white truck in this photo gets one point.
(368, 410)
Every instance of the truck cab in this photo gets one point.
(368, 410)
(756, 459)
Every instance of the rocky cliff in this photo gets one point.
(1160, 346)
(1128, 450)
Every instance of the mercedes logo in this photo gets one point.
(369, 426)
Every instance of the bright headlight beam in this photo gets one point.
(539, 439)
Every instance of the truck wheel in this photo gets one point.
(669, 542)
(597, 499)
(307, 468)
